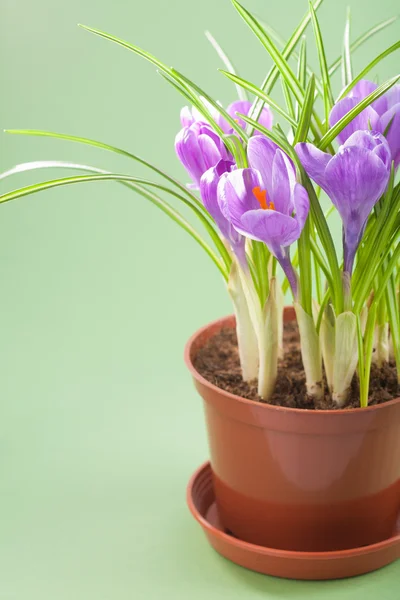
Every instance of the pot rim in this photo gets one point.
(260, 405)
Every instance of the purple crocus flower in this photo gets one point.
(260, 201)
(354, 179)
(199, 148)
(188, 117)
(378, 116)
(208, 191)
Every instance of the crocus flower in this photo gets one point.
(354, 179)
(260, 201)
(199, 148)
(378, 116)
(188, 117)
(208, 192)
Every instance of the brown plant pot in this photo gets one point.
(300, 480)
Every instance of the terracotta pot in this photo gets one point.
(296, 479)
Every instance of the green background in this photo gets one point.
(100, 425)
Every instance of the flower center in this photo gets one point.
(261, 197)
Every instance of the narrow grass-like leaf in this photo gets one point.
(368, 346)
(180, 79)
(334, 131)
(302, 71)
(306, 113)
(316, 212)
(278, 58)
(347, 70)
(260, 94)
(390, 267)
(204, 111)
(159, 202)
(306, 287)
(288, 100)
(393, 309)
(295, 55)
(114, 149)
(227, 62)
(328, 96)
(211, 101)
(361, 40)
(207, 224)
(272, 76)
(368, 68)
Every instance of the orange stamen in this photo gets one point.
(261, 197)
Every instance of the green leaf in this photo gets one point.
(273, 74)
(334, 131)
(306, 113)
(114, 149)
(361, 40)
(213, 103)
(316, 212)
(288, 101)
(306, 287)
(302, 71)
(347, 70)
(296, 55)
(260, 94)
(368, 68)
(390, 268)
(153, 198)
(368, 346)
(327, 97)
(272, 50)
(181, 80)
(227, 62)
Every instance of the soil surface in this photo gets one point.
(218, 362)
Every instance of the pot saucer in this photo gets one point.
(283, 563)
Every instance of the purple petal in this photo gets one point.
(208, 190)
(314, 162)
(187, 149)
(261, 153)
(186, 117)
(393, 134)
(240, 106)
(243, 107)
(393, 96)
(235, 195)
(198, 148)
(301, 205)
(356, 178)
(283, 182)
(210, 151)
(371, 140)
(366, 119)
(362, 89)
(265, 119)
(271, 227)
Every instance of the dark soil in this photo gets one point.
(218, 362)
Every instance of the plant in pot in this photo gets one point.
(301, 402)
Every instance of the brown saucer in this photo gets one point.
(283, 563)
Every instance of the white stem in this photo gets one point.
(280, 299)
(269, 343)
(380, 355)
(391, 349)
(346, 356)
(247, 340)
(327, 338)
(265, 324)
(310, 352)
